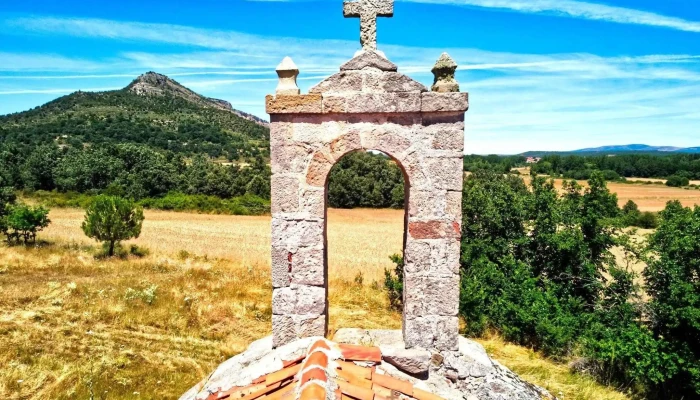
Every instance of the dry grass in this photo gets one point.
(647, 197)
(556, 378)
(73, 327)
(358, 240)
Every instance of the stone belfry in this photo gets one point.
(368, 105)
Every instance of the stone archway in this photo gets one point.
(367, 106)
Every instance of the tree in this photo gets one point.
(23, 222)
(630, 213)
(37, 172)
(111, 219)
(673, 284)
(7, 198)
(677, 181)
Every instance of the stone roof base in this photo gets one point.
(372, 364)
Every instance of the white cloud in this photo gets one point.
(579, 9)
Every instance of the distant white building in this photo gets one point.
(533, 160)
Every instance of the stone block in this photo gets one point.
(284, 301)
(333, 104)
(437, 118)
(293, 234)
(443, 102)
(412, 361)
(299, 300)
(344, 81)
(310, 325)
(308, 267)
(319, 167)
(313, 202)
(444, 257)
(369, 59)
(371, 103)
(350, 141)
(285, 193)
(453, 205)
(447, 333)
(446, 172)
(417, 256)
(289, 104)
(284, 330)
(432, 332)
(281, 267)
(391, 82)
(290, 158)
(447, 136)
(388, 141)
(383, 102)
(431, 295)
(310, 300)
(407, 102)
(280, 134)
(426, 204)
(434, 229)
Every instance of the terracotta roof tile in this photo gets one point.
(318, 374)
(313, 391)
(354, 391)
(360, 353)
(283, 374)
(307, 378)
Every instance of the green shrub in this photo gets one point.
(648, 220)
(243, 205)
(23, 222)
(111, 220)
(393, 282)
(677, 181)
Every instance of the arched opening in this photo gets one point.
(367, 194)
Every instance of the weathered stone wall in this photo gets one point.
(370, 108)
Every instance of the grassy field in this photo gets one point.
(648, 197)
(74, 327)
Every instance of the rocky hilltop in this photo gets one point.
(152, 83)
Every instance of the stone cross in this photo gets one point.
(368, 11)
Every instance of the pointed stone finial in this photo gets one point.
(287, 72)
(444, 71)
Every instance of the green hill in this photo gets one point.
(153, 110)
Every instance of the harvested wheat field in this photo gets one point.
(647, 197)
(76, 327)
(359, 241)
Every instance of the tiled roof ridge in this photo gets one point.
(328, 371)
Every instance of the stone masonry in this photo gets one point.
(368, 105)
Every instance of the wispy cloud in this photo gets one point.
(579, 9)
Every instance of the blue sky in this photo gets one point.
(542, 74)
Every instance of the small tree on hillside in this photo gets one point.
(111, 219)
(24, 222)
(7, 198)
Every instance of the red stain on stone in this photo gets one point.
(457, 227)
(426, 230)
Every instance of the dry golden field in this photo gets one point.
(358, 240)
(74, 327)
(647, 197)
